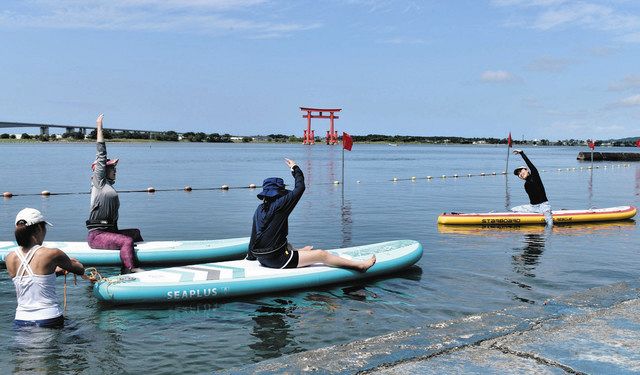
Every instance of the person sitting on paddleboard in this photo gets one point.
(534, 188)
(271, 226)
(103, 217)
(33, 269)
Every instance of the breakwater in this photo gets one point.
(609, 156)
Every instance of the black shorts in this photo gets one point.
(57, 322)
(282, 259)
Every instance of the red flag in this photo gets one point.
(347, 142)
(592, 144)
(509, 140)
(638, 143)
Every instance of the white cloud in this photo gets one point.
(532, 103)
(404, 40)
(627, 83)
(496, 76)
(528, 3)
(585, 129)
(201, 16)
(549, 64)
(590, 15)
(602, 51)
(554, 14)
(630, 38)
(631, 101)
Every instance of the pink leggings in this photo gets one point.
(122, 240)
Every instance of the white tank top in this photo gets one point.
(36, 294)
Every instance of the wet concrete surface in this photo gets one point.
(593, 332)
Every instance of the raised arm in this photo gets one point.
(99, 135)
(292, 198)
(532, 167)
(100, 169)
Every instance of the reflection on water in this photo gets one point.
(507, 194)
(273, 333)
(590, 188)
(526, 260)
(347, 223)
(308, 171)
(638, 179)
(46, 350)
(528, 256)
(577, 229)
(36, 348)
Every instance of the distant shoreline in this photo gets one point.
(391, 140)
(120, 140)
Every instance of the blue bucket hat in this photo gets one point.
(272, 187)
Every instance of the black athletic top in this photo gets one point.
(533, 184)
(271, 225)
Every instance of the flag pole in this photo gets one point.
(506, 170)
(342, 182)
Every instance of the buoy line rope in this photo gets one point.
(252, 186)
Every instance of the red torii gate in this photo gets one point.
(309, 135)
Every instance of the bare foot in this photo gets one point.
(365, 265)
(306, 248)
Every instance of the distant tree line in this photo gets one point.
(283, 138)
(424, 139)
(626, 142)
(172, 136)
(203, 137)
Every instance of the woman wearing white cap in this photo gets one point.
(103, 216)
(535, 190)
(33, 269)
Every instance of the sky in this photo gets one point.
(551, 69)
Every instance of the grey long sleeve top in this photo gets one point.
(104, 198)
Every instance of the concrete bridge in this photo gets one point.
(44, 128)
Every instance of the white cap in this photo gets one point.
(31, 216)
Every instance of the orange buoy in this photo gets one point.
(7, 194)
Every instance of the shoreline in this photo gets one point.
(585, 332)
(141, 141)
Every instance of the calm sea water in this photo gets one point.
(462, 271)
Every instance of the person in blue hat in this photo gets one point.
(269, 243)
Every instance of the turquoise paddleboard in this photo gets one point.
(154, 252)
(242, 277)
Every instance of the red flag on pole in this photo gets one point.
(509, 140)
(638, 143)
(592, 144)
(347, 142)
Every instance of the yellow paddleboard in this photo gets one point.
(517, 218)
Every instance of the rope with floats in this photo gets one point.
(152, 190)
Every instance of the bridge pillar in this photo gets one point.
(83, 131)
(44, 130)
(70, 130)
